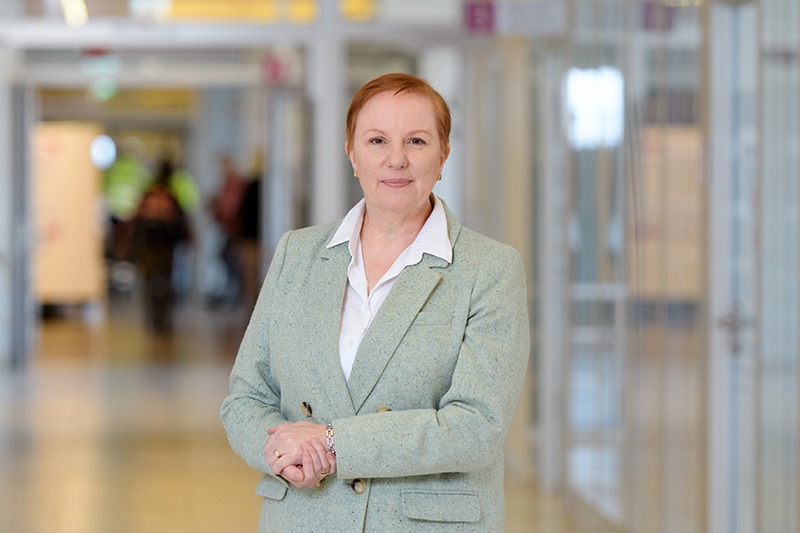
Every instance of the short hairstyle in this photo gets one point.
(398, 83)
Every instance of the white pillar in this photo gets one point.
(552, 276)
(443, 68)
(514, 185)
(327, 86)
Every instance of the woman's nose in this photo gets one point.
(397, 156)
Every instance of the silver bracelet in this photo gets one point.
(329, 438)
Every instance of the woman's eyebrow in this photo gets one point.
(370, 131)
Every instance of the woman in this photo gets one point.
(386, 353)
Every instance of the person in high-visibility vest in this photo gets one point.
(124, 183)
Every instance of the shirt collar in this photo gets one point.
(432, 239)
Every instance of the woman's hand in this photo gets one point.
(318, 462)
(287, 456)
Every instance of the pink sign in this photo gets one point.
(479, 17)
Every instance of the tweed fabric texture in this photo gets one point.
(420, 424)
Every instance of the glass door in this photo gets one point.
(754, 293)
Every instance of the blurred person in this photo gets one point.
(249, 239)
(124, 184)
(160, 225)
(184, 188)
(377, 378)
(226, 207)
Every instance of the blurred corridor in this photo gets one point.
(641, 155)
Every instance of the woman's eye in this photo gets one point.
(416, 140)
(376, 141)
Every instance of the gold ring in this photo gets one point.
(277, 453)
(323, 474)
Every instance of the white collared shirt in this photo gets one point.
(360, 308)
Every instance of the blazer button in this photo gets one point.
(306, 408)
(359, 486)
(382, 409)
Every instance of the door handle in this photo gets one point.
(733, 322)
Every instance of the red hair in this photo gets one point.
(398, 83)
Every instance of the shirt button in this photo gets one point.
(359, 486)
(382, 409)
(350, 342)
(306, 408)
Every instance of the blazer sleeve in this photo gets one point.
(467, 430)
(253, 405)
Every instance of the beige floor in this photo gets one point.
(111, 430)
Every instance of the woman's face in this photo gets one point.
(396, 152)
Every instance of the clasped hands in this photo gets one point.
(295, 451)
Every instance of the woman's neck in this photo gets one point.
(383, 239)
(391, 227)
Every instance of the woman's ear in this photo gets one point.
(351, 157)
(445, 155)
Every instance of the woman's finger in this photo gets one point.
(316, 461)
(293, 475)
(332, 460)
(271, 450)
(322, 456)
(270, 456)
(308, 471)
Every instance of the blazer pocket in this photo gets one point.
(271, 488)
(432, 318)
(436, 506)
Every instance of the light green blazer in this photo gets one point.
(420, 425)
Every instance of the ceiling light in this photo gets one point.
(75, 12)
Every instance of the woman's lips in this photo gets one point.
(396, 182)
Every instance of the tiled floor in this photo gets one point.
(113, 431)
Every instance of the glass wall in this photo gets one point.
(595, 86)
(678, 162)
(667, 265)
(635, 215)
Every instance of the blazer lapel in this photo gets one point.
(406, 298)
(330, 276)
(408, 295)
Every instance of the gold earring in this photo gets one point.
(440, 177)
(355, 173)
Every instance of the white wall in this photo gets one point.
(10, 8)
(6, 210)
